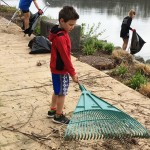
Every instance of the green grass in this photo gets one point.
(137, 81)
(109, 47)
(7, 9)
(120, 70)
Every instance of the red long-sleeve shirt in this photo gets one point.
(60, 62)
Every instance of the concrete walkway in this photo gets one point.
(25, 96)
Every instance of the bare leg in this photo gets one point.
(54, 101)
(60, 104)
(26, 20)
(125, 43)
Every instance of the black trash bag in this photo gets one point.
(39, 45)
(136, 43)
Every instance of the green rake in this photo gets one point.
(94, 118)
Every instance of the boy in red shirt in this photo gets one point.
(60, 63)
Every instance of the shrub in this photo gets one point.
(37, 28)
(99, 45)
(87, 31)
(120, 70)
(91, 42)
(137, 80)
(89, 46)
(7, 9)
(83, 25)
(109, 47)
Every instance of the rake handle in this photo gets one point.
(82, 88)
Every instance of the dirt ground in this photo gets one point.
(26, 91)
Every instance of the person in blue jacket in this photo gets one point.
(125, 27)
(24, 6)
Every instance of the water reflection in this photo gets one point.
(110, 13)
(115, 7)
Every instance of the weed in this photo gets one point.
(91, 42)
(109, 47)
(120, 70)
(83, 25)
(89, 46)
(99, 45)
(137, 80)
(37, 30)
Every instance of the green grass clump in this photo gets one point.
(137, 81)
(7, 9)
(91, 43)
(120, 70)
(99, 45)
(109, 47)
(89, 46)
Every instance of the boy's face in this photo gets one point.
(67, 26)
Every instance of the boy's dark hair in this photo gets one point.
(68, 13)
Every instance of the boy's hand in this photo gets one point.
(75, 78)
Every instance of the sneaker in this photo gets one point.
(62, 119)
(27, 31)
(51, 113)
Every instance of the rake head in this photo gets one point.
(101, 124)
(94, 118)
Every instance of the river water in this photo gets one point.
(109, 13)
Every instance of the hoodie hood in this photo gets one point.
(54, 32)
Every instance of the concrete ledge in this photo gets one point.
(46, 25)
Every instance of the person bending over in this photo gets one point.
(24, 6)
(125, 27)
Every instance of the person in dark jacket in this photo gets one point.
(24, 7)
(60, 63)
(125, 27)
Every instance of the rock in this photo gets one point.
(46, 25)
(117, 48)
(139, 58)
(101, 63)
(148, 61)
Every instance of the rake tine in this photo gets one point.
(113, 127)
(81, 137)
(92, 131)
(97, 130)
(87, 137)
(96, 135)
(80, 131)
(140, 128)
(132, 127)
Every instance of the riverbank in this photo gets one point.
(25, 98)
(106, 61)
